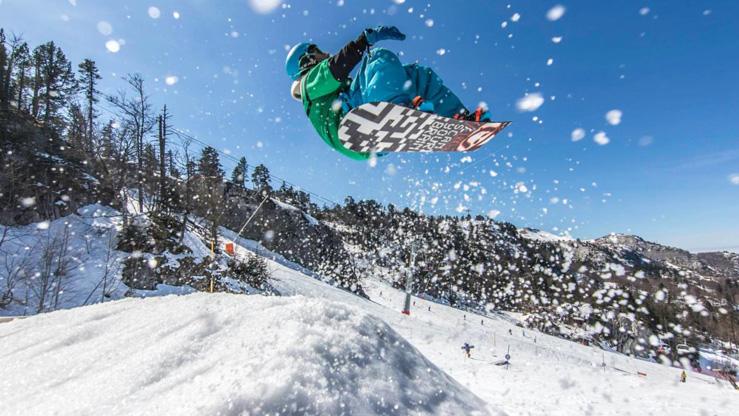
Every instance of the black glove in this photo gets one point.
(382, 33)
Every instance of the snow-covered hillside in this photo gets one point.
(220, 354)
(325, 351)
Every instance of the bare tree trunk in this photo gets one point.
(47, 87)
(62, 265)
(36, 89)
(42, 283)
(162, 162)
(21, 86)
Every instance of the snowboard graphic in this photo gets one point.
(385, 127)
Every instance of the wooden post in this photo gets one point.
(212, 259)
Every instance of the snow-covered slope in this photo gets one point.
(220, 354)
(547, 375)
(190, 354)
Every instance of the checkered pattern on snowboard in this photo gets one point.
(385, 127)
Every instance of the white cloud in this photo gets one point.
(531, 102)
(614, 117)
(556, 12)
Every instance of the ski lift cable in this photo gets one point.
(251, 168)
(180, 133)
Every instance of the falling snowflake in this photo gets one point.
(646, 141)
(531, 102)
(734, 179)
(113, 45)
(154, 12)
(105, 28)
(644, 11)
(264, 6)
(28, 202)
(614, 117)
(556, 12)
(601, 138)
(557, 39)
(578, 134)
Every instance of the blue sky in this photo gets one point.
(667, 172)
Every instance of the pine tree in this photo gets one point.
(261, 180)
(239, 173)
(209, 166)
(210, 192)
(4, 70)
(53, 85)
(22, 63)
(89, 75)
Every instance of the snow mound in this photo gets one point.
(220, 354)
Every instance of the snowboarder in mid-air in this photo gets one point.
(467, 347)
(322, 84)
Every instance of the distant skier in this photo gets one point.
(683, 376)
(510, 331)
(322, 84)
(467, 347)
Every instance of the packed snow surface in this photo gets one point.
(220, 354)
(322, 350)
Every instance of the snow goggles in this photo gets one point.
(309, 57)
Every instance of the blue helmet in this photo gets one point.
(292, 63)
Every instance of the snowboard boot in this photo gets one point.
(422, 105)
(479, 115)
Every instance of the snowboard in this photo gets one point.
(386, 127)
